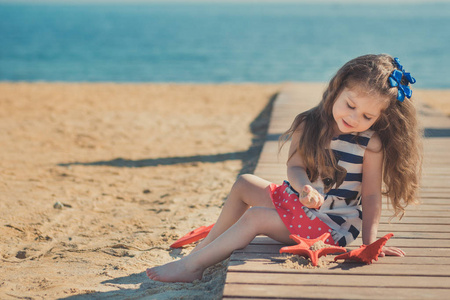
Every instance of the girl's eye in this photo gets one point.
(349, 106)
(367, 118)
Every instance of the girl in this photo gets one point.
(362, 134)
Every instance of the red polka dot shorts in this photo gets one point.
(290, 210)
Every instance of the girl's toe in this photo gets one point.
(150, 273)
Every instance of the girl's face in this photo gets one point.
(355, 111)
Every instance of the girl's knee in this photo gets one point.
(250, 181)
(255, 217)
(242, 182)
(252, 190)
(243, 179)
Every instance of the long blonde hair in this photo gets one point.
(397, 128)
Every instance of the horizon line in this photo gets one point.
(220, 1)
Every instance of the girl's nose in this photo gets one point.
(354, 119)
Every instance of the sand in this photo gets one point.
(297, 262)
(134, 167)
(97, 180)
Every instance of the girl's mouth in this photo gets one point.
(346, 124)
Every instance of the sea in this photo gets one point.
(218, 42)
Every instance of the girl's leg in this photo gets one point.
(257, 220)
(248, 190)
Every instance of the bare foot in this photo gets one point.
(177, 271)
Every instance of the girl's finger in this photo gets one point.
(308, 201)
(400, 252)
(320, 202)
(393, 251)
(305, 191)
(317, 202)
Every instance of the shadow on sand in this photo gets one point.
(126, 288)
(249, 158)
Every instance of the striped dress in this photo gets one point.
(341, 210)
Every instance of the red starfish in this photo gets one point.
(303, 248)
(366, 253)
(192, 236)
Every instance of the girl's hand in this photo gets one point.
(392, 251)
(310, 197)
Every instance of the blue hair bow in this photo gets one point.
(396, 78)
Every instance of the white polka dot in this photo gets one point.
(299, 226)
(329, 230)
(320, 229)
(288, 210)
(301, 216)
(309, 227)
(328, 240)
(290, 226)
(308, 237)
(284, 216)
(294, 207)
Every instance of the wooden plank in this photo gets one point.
(414, 242)
(410, 252)
(395, 241)
(407, 243)
(313, 279)
(416, 235)
(432, 200)
(436, 243)
(425, 212)
(410, 260)
(441, 190)
(376, 268)
(432, 193)
(425, 208)
(415, 220)
(256, 291)
(397, 228)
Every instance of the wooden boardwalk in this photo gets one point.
(257, 272)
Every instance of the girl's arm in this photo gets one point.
(298, 178)
(371, 194)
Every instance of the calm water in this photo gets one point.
(218, 42)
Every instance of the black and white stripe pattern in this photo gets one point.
(342, 207)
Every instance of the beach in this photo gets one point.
(99, 179)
